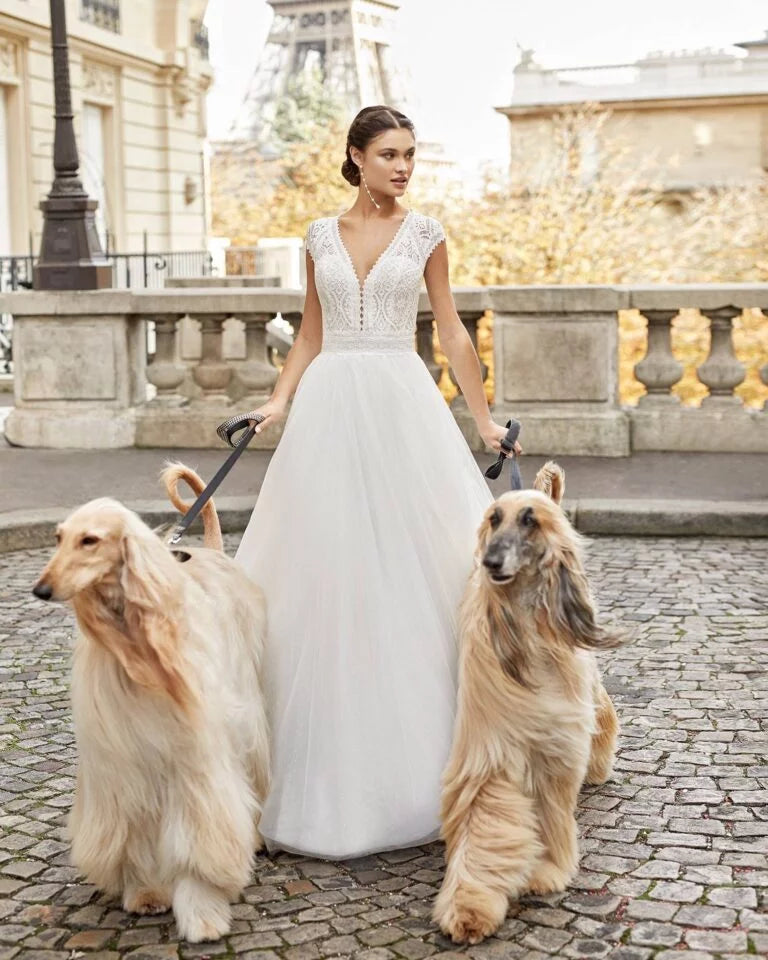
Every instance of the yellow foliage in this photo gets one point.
(557, 225)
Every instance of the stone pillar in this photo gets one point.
(556, 368)
(212, 374)
(658, 370)
(256, 374)
(165, 373)
(722, 423)
(79, 368)
(721, 371)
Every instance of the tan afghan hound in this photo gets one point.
(534, 721)
(173, 751)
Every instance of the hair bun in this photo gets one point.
(350, 171)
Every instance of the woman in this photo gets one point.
(363, 532)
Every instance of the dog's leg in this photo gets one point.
(603, 747)
(555, 799)
(97, 835)
(208, 846)
(202, 910)
(491, 845)
(144, 891)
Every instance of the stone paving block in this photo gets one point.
(674, 855)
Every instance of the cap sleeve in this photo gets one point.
(309, 239)
(433, 235)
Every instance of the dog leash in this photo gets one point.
(226, 431)
(508, 447)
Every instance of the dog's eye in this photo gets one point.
(495, 518)
(527, 518)
(58, 537)
(88, 541)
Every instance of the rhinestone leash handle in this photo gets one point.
(508, 447)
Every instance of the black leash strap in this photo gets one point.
(507, 447)
(191, 515)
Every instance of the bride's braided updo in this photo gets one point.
(367, 125)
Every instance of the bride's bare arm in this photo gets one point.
(458, 348)
(305, 348)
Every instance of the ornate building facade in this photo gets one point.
(693, 119)
(139, 73)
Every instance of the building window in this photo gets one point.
(93, 165)
(6, 237)
(102, 13)
(200, 38)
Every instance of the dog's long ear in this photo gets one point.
(150, 580)
(570, 607)
(507, 638)
(484, 532)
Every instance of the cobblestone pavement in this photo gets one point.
(674, 847)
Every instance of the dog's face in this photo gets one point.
(514, 534)
(88, 551)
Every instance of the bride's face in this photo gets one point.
(388, 162)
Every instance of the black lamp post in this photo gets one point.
(71, 257)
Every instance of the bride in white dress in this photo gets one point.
(364, 529)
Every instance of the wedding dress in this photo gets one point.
(362, 539)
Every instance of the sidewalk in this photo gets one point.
(648, 493)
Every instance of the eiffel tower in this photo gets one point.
(347, 41)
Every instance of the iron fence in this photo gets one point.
(145, 270)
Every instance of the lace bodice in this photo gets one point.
(380, 313)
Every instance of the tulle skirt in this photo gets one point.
(362, 539)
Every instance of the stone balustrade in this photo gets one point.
(83, 378)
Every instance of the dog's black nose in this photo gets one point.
(493, 561)
(43, 591)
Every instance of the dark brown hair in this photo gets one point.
(367, 125)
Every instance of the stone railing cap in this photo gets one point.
(706, 296)
(556, 298)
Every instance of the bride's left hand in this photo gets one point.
(493, 434)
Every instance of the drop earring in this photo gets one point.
(365, 184)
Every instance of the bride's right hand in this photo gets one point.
(272, 411)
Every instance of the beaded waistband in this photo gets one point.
(363, 343)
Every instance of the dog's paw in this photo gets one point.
(547, 877)
(469, 917)
(202, 911)
(202, 929)
(146, 900)
(469, 925)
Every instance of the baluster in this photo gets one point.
(212, 374)
(256, 374)
(164, 373)
(658, 370)
(469, 319)
(721, 371)
(425, 344)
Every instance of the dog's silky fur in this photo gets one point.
(168, 713)
(534, 721)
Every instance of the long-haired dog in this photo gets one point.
(168, 713)
(534, 720)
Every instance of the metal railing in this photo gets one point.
(147, 270)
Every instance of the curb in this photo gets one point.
(30, 529)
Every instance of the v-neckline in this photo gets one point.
(387, 248)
